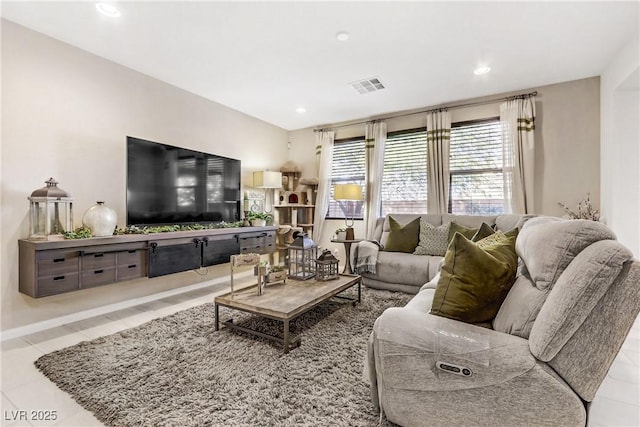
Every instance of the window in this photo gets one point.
(404, 183)
(348, 167)
(476, 186)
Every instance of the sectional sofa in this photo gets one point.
(538, 362)
(406, 272)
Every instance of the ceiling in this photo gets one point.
(268, 58)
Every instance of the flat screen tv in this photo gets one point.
(169, 185)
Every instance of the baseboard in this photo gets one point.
(99, 311)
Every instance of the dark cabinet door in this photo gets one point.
(219, 251)
(173, 259)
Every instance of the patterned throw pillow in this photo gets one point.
(433, 240)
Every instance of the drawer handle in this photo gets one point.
(98, 272)
(58, 260)
(58, 278)
(132, 266)
(98, 255)
(132, 252)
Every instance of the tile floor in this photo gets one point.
(24, 388)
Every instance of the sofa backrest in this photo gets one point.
(504, 222)
(585, 358)
(575, 299)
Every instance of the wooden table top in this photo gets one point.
(287, 300)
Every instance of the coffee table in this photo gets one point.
(284, 302)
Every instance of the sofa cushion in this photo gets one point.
(400, 267)
(467, 232)
(520, 308)
(475, 278)
(470, 221)
(471, 233)
(403, 218)
(433, 240)
(575, 294)
(403, 238)
(507, 222)
(485, 230)
(547, 245)
(422, 301)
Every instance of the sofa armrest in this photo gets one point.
(407, 345)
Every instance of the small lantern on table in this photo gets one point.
(302, 258)
(50, 212)
(327, 266)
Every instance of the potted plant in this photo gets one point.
(258, 219)
(341, 234)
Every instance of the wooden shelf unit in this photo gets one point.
(50, 267)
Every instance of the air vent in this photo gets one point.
(367, 85)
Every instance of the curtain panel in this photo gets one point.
(517, 118)
(438, 147)
(375, 139)
(324, 160)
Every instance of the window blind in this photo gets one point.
(404, 182)
(348, 168)
(476, 185)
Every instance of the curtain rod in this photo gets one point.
(450, 107)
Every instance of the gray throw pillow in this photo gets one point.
(433, 240)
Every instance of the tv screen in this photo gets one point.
(171, 185)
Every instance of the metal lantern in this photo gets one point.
(302, 258)
(326, 266)
(50, 212)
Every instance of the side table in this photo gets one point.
(347, 251)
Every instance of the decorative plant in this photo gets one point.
(277, 268)
(259, 215)
(341, 230)
(78, 233)
(585, 210)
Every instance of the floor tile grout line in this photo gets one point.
(85, 314)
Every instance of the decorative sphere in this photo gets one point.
(100, 219)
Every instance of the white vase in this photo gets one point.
(258, 222)
(100, 219)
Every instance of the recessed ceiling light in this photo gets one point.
(481, 70)
(342, 36)
(301, 110)
(108, 10)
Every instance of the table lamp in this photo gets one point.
(348, 193)
(267, 180)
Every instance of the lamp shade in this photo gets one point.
(267, 179)
(347, 192)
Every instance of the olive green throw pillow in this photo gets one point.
(475, 277)
(402, 238)
(485, 230)
(473, 234)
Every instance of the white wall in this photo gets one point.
(66, 113)
(620, 146)
(567, 144)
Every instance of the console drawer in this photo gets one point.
(97, 277)
(131, 271)
(53, 263)
(254, 241)
(57, 284)
(93, 261)
(134, 256)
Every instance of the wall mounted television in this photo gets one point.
(169, 185)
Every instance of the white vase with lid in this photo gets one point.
(100, 219)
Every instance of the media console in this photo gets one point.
(55, 266)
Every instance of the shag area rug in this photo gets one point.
(177, 371)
